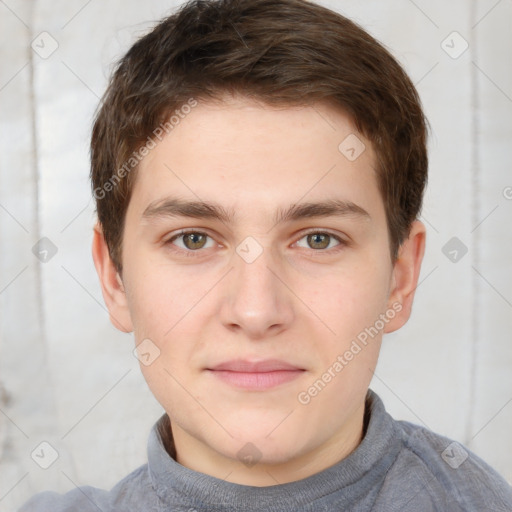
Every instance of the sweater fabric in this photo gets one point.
(397, 467)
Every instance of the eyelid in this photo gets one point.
(313, 231)
(325, 231)
(187, 231)
(201, 231)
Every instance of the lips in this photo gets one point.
(269, 365)
(256, 376)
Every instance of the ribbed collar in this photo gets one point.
(352, 477)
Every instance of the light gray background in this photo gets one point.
(69, 378)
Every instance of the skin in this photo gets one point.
(302, 300)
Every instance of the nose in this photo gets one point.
(256, 301)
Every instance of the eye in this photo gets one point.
(319, 240)
(191, 240)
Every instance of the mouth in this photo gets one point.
(256, 376)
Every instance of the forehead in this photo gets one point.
(239, 151)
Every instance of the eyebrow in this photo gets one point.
(174, 207)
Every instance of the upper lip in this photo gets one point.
(243, 366)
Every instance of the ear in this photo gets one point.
(406, 272)
(112, 286)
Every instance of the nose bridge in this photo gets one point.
(257, 300)
(254, 275)
(254, 280)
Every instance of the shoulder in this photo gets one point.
(85, 499)
(441, 471)
(132, 492)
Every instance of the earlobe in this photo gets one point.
(112, 286)
(406, 271)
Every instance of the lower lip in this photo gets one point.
(257, 380)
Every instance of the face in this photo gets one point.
(257, 276)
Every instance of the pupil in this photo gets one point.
(321, 241)
(195, 240)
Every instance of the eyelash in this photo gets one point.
(191, 253)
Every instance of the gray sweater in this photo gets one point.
(397, 467)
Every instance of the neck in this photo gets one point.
(194, 454)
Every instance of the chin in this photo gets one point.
(268, 442)
(265, 451)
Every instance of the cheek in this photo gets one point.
(168, 308)
(154, 309)
(161, 298)
(352, 308)
(162, 309)
(349, 300)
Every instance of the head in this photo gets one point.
(258, 168)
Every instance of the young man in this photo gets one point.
(258, 167)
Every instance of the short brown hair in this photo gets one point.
(280, 52)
